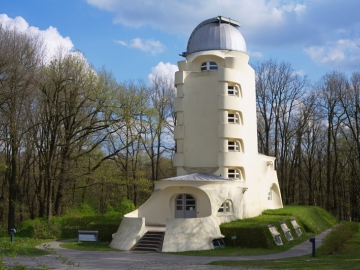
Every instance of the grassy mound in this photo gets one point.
(254, 232)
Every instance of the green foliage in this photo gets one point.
(3, 232)
(339, 236)
(256, 237)
(41, 228)
(105, 230)
(81, 211)
(68, 226)
(124, 207)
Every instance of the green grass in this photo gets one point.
(347, 258)
(311, 218)
(99, 246)
(20, 246)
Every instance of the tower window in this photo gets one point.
(232, 91)
(209, 66)
(233, 118)
(234, 146)
(234, 173)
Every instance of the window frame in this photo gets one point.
(233, 118)
(235, 145)
(234, 90)
(234, 174)
(226, 207)
(208, 66)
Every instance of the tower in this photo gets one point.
(215, 106)
(220, 174)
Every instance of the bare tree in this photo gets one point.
(160, 123)
(278, 95)
(20, 61)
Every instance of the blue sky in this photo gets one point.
(139, 38)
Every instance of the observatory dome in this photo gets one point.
(219, 33)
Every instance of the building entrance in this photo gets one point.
(185, 206)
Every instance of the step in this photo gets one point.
(151, 241)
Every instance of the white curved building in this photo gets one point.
(221, 175)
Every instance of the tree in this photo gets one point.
(78, 114)
(279, 91)
(160, 123)
(331, 86)
(20, 62)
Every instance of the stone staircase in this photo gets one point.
(151, 241)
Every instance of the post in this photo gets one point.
(233, 238)
(12, 235)
(312, 240)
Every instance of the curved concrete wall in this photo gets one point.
(130, 231)
(184, 234)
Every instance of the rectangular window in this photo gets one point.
(233, 146)
(233, 118)
(232, 91)
(234, 174)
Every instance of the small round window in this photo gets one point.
(209, 66)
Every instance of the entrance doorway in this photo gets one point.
(185, 206)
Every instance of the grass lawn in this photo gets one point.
(346, 258)
(99, 246)
(21, 246)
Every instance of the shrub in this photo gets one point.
(124, 207)
(339, 236)
(41, 228)
(3, 232)
(105, 230)
(255, 237)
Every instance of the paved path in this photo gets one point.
(145, 260)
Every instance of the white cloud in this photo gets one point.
(254, 54)
(148, 45)
(181, 16)
(163, 70)
(270, 24)
(343, 53)
(51, 37)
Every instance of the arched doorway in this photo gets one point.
(185, 206)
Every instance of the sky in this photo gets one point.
(138, 39)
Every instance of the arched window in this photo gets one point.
(226, 207)
(209, 66)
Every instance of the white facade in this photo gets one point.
(221, 175)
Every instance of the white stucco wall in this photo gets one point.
(202, 134)
(129, 232)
